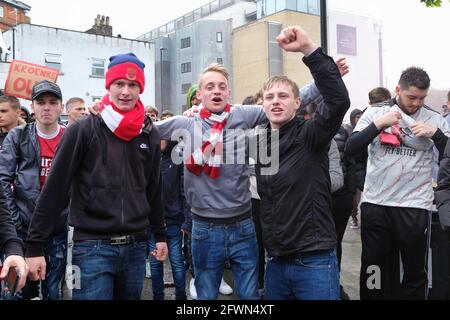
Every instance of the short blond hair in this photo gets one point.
(282, 80)
(214, 67)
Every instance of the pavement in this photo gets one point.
(351, 262)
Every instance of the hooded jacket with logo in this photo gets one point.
(296, 214)
(114, 185)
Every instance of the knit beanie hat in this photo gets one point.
(125, 66)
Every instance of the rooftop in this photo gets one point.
(17, 4)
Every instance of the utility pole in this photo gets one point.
(323, 26)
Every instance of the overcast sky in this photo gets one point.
(413, 34)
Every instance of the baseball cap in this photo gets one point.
(45, 86)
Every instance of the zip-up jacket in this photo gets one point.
(20, 159)
(114, 185)
(296, 214)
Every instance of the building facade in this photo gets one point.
(82, 59)
(248, 31)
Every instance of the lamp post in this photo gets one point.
(14, 35)
(324, 25)
(161, 73)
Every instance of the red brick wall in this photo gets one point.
(9, 17)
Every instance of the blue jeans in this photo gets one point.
(109, 272)
(212, 245)
(56, 260)
(311, 276)
(174, 241)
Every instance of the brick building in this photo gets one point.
(12, 13)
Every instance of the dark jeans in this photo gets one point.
(109, 272)
(342, 209)
(56, 259)
(174, 241)
(387, 233)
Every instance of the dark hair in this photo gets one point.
(249, 101)
(378, 95)
(414, 77)
(448, 96)
(14, 103)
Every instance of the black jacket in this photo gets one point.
(10, 244)
(114, 185)
(442, 193)
(176, 209)
(296, 214)
(20, 160)
(2, 136)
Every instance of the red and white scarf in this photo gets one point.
(125, 125)
(208, 158)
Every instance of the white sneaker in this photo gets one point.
(192, 290)
(225, 288)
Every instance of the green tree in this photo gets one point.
(432, 3)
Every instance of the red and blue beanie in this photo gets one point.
(125, 66)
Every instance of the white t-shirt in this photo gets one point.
(400, 177)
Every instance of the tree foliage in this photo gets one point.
(432, 3)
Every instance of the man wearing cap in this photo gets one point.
(25, 160)
(110, 164)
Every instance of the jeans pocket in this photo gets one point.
(200, 231)
(84, 249)
(247, 228)
(316, 261)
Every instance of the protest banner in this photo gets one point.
(23, 75)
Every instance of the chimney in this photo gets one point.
(101, 27)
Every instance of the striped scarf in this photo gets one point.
(125, 125)
(208, 158)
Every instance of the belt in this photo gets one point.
(124, 240)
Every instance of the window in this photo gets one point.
(98, 67)
(185, 88)
(185, 43)
(2, 13)
(53, 60)
(219, 60)
(186, 67)
(219, 37)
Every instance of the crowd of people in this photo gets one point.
(266, 187)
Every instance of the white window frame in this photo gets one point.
(97, 65)
(53, 60)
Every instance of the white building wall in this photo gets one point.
(77, 49)
(364, 66)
